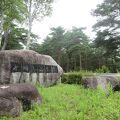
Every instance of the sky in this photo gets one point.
(68, 13)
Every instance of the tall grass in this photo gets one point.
(73, 102)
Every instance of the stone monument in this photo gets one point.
(21, 66)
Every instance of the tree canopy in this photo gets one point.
(72, 49)
(37, 10)
(15, 13)
(107, 27)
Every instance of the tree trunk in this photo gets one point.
(99, 62)
(86, 60)
(80, 62)
(67, 64)
(74, 64)
(1, 29)
(59, 56)
(5, 40)
(29, 25)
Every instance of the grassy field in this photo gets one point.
(73, 102)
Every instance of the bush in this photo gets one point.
(103, 69)
(71, 78)
(74, 77)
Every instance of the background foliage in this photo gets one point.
(72, 49)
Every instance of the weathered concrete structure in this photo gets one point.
(20, 66)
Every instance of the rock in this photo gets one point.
(24, 92)
(102, 82)
(20, 66)
(89, 82)
(114, 82)
(10, 106)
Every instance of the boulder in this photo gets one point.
(10, 106)
(89, 82)
(102, 82)
(26, 93)
(21, 66)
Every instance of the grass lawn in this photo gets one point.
(73, 102)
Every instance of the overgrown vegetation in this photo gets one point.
(73, 102)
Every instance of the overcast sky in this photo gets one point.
(68, 13)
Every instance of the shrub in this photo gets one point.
(71, 78)
(74, 77)
(103, 69)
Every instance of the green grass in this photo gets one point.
(73, 102)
